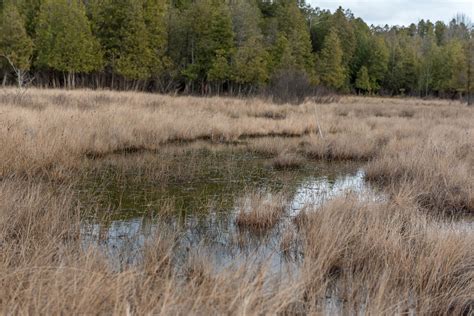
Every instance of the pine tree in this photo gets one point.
(220, 69)
(16, 47)
(363, 49)
(251, 64)
(64, 39)
(135, 59)
(331, 70)
(155, 15)
(282, 57)
(29, 9)
(363, 80)
(319, 29)
(440, 32)
(345, 32)
(377, 61)
(292, 26)
(251, 60)
(15, 44)
(452, 75)
(120, 27)
(209, 41)
(109, 24)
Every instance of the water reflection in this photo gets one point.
(205, 204)
(317, 190)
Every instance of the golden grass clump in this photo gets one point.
(439, 170)
(389, 256)
(261, 210)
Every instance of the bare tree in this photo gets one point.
(23, 77)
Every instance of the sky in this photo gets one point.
(400, 12)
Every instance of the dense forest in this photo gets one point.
(231, 46)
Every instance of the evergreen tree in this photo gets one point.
(319, 28)
(135, 59)
(220, 69)
(120, 27)
(363, 80)
(293, 27)
(251, 64)
(64, 39)
(15, 44)
(251, 60)
(246, 21)
(363, 49)
(331, 69)
(345, 32)
(207, 46)
(29, 9)
(155, 14)
(440, 33)
(377, 61)
(452, 75)
(403, 63)
(210, 42)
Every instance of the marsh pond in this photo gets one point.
(195, 196)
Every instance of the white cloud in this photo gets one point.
(400, 12)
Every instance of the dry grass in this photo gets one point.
(381, 258)
(388, 257)
(391, 257)
(57, 128)
(260, 210)
(439, 171)
(287, 160)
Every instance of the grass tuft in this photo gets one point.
(260, 211)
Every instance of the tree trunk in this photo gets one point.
(19, 75)
(5, 77)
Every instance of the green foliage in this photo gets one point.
(319, 28)
(64, 39)
(403, 64)
(15, 44)
(450, 75)
(29, 9)
(201, 45)
(363, 80)
(345, 32)
(331, 68)
(251, 61)
(296, 50)
(220, 68)
(155, 13)
(121, 29)
(251, 64)
(377, 61)
(440, 33)
(209, 40)
(134, 60)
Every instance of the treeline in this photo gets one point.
(232, 46)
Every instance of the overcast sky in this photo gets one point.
(400, 12)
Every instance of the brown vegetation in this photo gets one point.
(260, 210)
(389, 257)
(287, 160)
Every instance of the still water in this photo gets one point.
(192, 195)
